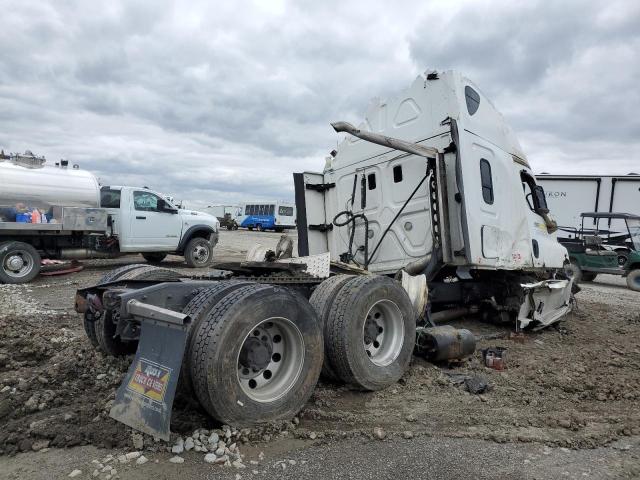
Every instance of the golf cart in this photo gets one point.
(601, 250)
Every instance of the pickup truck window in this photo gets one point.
(110, 198)
(486, 181)
(145, 201)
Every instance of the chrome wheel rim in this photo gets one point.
(270, 359)
(18, 264)
(383, 333)
(200, 253)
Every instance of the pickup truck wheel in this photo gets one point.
(154, 257)
(198, 308)
(321, 300)
(370, 332)
(257, 356)
(633, 280)
(198, 253)
(574, 271)
(19, 262)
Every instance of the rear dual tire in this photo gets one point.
(369, 330)
(321, 300)
(198, 309)
(257, 355)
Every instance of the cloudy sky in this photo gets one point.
(216, 102)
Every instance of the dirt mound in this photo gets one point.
(57, 390)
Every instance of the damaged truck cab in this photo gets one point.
(466, 212)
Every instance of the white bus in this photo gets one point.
(276, 216)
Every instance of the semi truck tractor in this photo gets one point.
(61, 212)
(426, 212)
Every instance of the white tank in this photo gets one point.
(46, 186)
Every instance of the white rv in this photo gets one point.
(569, 196)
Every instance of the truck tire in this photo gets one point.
(633, 280)
(19, 262)
(257, 356)
(89, 320)
(198, 308)
(154, 257)
(574, 271)
(370, 332)
(105, 325)
(198, 253)
(321, 300)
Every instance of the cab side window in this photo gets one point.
(145, 201)
(486, 181)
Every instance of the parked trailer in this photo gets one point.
(63, 213)
(569, 196)
(451, 205)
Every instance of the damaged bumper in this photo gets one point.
(545, 303)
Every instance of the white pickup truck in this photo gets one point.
(63, 213)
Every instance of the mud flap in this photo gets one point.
(545, 303)
(145, 398)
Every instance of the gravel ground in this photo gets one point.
(567, 404)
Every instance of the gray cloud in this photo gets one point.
(217, 102)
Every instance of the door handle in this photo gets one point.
(141, 218)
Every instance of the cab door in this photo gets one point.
(151, 226)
